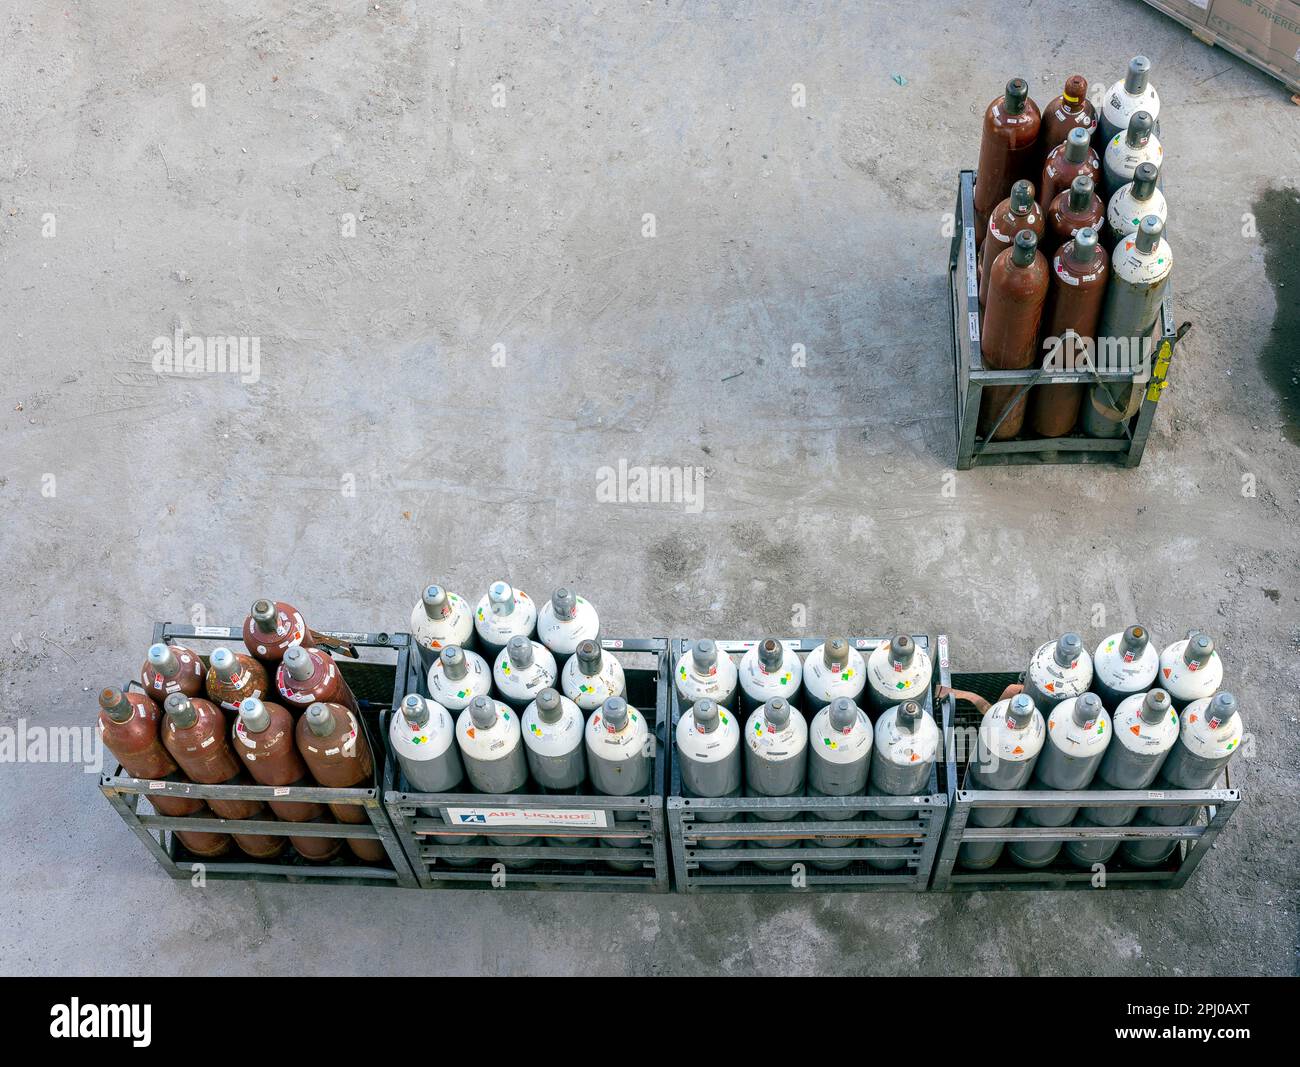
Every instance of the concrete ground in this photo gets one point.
(499, 327)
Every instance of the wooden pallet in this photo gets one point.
(1206, 35)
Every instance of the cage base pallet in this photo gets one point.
(687, 833)
(973, 377)
(373, 684)
(636, 818)
(1193, 842)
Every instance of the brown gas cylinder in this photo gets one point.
(129, 727)
(1071, 211)
(233, 677)
(194, 731)
(172, 669)
(273, 626)
(1008, 150)
(1074, 156)
(1017, 212)
(1071, 110)
(1080, 271)
(1017, 289)
(308, 676)
(263, 740)
(338, 755)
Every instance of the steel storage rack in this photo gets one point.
(922, 827)
(972, 377)
(377, 681)
(637, 822)
(1217, 806)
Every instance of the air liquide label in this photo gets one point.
(525, 817)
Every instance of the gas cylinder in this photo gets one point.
(1011, 735)
(523, 668)
(233, 677)
(1074, 209)
(592, 676)
(1080, 271)
(1070, 111)
(1009, 336)
(1139, 282)
(839, 762)
(553, 734)
(565, 621)
(129, 728)
(620, 755)
(1133, 201)
(907, 744)
(423, 736)
(776, 764)
(896, 670)
(704, 673)
(440, 618)
(263, 740)
(1125, 152)
(1191, 669)
(334, 747)
(308, 676)
(1144, 728)
(273, 626)
(769, 669)
(1058, 670)
(1068, 160)
(832, 669)
(503, 613)
(1209, 735)
(1124, 664)
(1017, 212)
(1008, 149)
(172, 669)
(457, 677)
(709, 762)
(194, 732)
(1131, 94)
(492, 746)
(1078, 733)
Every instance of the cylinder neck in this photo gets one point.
(1074, 93)
(777, 712)
(223, 664)
(501, 598)
(320, 720)
(1139, 72)
(1077, 145)
(1200, 647)
(1015, 96)
(264, 616)
(1155, 706)
(1087, 710)
(705, 656)
(843, 714)
(1150, 230)
(1134, 642)
(1139, 129)
(770, 655)
(1081, 190)
(1022, 198)
(706, 717)
(1083, 249)
(483, 712)
(414, 710)
(453, 662)
(254, 716)
(909, 716)
(1144, 181)
(519, 651)
(114, 704)
(902, 649)
(1067, 649)
(836, 654)
(1222, 707)
(436, 604)
(589, 658)
(1024, 248)
(163, 660)
(181, 710)
(549, 706)
(564, 604)
(615, 712)
(1020, 712)
(297, 661)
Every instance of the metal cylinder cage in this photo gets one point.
(624, 844)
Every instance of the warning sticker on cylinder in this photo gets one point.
(525, 817)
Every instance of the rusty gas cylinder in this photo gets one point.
(172, 669)
(1017, 212)
(1071, 110)
(1017, 289)
(1080, 271)
(129, 725)
(334, 746)
(1067, 161)
(273, 626)
(233, 677)
(1008, 150)
(308, 676)
(1072, 210)
(263, 740)
(194, 731)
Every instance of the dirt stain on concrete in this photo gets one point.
(1277, 217)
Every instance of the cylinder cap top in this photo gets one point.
(777, 711)
(1085, 246)
(564, 603)
(253, 714)
(483, 712)
(705, 653)
(589, 658)
(320, 720)
(1087, 708)
(1081, 190)
(264, 615)
(414, 709)
(1022, 197)
(615, 711)
(1024, 248)
(1144, 181)
(1076, 88)
(1020, 711)
(519, 651)
(1222, 707)
(843, 713)
(770, 654)
(1136, 639)
(1135, 81)
(1077, 145)
(182, 710)
(902, 649)
(836, 652)
(115, 705)
(501, 598)
(298, 663)
(222, 660)
(549, 705)
(435, 601)
(1155, 707)
(1149, 232)
(706, 715)
(163, 659)
(1068, 647)
(1016, 95)
(453, 662)
(909, 714)
(1199, 648)
(1139, 129)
